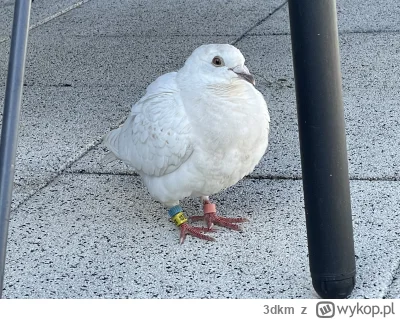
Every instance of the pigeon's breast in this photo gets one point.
(221, 169)
(232, 142)
(229, 135)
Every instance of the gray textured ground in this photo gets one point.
(79, 230)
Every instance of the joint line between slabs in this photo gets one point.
(258, 23)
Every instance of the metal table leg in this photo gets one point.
(11, 113)
(323, 146)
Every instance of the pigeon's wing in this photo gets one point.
(155, 139)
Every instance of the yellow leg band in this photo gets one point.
(179, 219)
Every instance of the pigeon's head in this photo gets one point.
(217, 64)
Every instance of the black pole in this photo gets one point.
(317, 73)
(11, 113)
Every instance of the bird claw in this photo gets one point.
(211, 218)
(187, 229)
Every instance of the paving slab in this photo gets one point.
(90, 236)
(368, 16)
(353, 16)
(372, 107)
(41, 11)
(166, 18)
(58, 125)
(370, 68)
(368, 60)
(65, 60)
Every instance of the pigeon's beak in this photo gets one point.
(244, 73)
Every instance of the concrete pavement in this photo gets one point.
(79, 230)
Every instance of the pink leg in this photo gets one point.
(211, 218)
(180, 220)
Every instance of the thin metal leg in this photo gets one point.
(11, 113)
(323, 146)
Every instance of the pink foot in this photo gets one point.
(187, 229)
(211, 218)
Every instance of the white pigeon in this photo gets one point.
(196, 132)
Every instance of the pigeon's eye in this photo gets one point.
(218, 61)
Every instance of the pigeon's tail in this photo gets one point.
(110, 142)
(108, 158)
